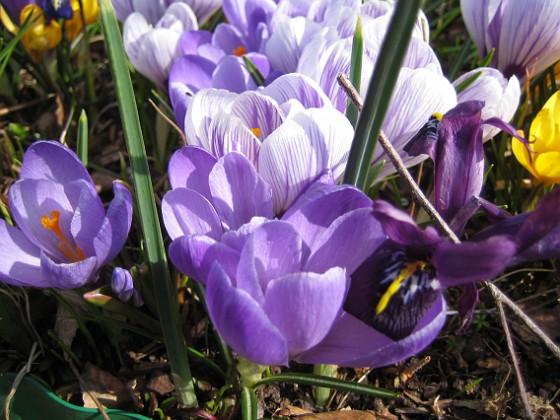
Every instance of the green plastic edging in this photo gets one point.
(33, 401)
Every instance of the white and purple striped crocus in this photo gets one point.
(152, 48)
(288, 130)
(64, 235)
(500, 95)
(153, 10)
(524, 34)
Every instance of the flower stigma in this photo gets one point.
(393, 288)
(72, 252)
(239, 51)
(256, 131)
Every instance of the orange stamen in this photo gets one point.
(256, 131)
(72, 252)
(239, 51)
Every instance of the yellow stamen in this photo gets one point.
(72, 252)
(393, 288)
(239, 51)
(256, 131)
(437, 115)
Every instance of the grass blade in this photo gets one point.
(356, 70)
(383, 80)
(165, 291)
(83, 138)
(327, 382)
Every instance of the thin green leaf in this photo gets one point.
(256, 75)
(488, 58)
(327, 382)
(379, 92)
(355, 70)
(466, 83)
(83, 138)
(248, 404)
(165, 291)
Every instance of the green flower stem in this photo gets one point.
(379, 92)
(356, 70)
(164, 288)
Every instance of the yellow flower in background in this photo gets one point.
(73, 27)
(41, 36)
(543, 158)
(45, 31)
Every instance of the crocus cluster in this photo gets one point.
(64, 235)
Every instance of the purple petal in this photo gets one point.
(88, 216)
(195, 255)
(53, 161)
(186, 212)
(242, 323)
(23, 268)
(258, 111)
(303, 306)
(467, 306)
(473, 261)
(190, 167)
(231, 74)
(299, 87)
(113, 232)
(191, 40)
(301, 149)
(400, 227)
(273, 250)
(68, 276)
(202, 109)
(228, 38)
(352, 343)
(334, 247)
(238, 192)
(33, 199)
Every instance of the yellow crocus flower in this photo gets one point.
(41, 36)
(542, 158)
(73, 27)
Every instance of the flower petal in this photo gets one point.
(303, 306)
(68, 276)
(473, 261)
(190, 167)
(23, 268)
(238, 192)
(242, 323)
(187, 212)
(273, 250)
(113, 232)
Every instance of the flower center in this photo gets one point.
(239, 51)
(407, 271)
(256, 131)
(72, 252)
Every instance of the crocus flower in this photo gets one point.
(64, 235)
(153, 10)
(541, 157)
(46, 32)
(525, 34)
(288, 130)
(153, 49)
(123, 285)
(500, 95)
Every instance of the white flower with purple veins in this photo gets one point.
(288, 130)
(64, 235)
(153, 49)
(153, 10)
(500, 95)
(525, 34)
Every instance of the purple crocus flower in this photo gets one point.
(153, 10)
(123, 285)
(287, 130)
(65, 235)
(153, 49)
(525, 34)
(500, 95)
